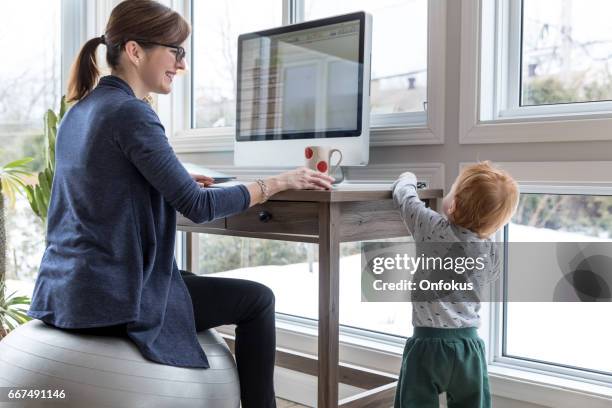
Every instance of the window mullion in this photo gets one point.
(293, 11)
(73, 34)
(513, 54)
(287, 11)
(508, 44)
(298, 11)
(492, 330)
(503, 39)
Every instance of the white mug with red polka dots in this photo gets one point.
(319, 158)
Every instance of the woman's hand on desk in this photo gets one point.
(301, 178)
(203, 181)
(304, 178)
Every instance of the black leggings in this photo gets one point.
(250, 306)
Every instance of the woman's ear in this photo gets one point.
(133, 52)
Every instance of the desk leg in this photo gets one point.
(329, 293)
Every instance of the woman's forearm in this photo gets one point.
(274, 184)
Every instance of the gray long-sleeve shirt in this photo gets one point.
(112, 224)
(429, 226)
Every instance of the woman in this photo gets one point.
(109, 265)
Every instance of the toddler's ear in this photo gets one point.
(451, 206)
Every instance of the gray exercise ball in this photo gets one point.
(107, 371)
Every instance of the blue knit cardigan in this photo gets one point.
(112, 223)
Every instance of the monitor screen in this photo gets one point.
(301, 81)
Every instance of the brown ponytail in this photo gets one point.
(84, 72)
(145, 20)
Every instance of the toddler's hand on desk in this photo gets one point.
(406, 174)
(203, 181)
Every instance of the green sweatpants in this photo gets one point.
(443, 360)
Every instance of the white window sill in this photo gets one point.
(583, 110)
(546, 389)
(529, 130)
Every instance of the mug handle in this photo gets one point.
(333, 168)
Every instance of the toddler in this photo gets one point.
(445, 353)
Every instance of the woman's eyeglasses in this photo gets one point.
(179, 51)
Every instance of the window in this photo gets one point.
(399, 50)
(216, 26)
(566, 52)
(546, 334)
(290, 269)
(408, 91)
(399, 58)
(544, 58)
(29, 85)
(535, 71)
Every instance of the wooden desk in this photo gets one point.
(327, 218)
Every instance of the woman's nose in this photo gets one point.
(182, 65)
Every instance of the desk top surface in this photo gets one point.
(343, 192)
(364, 193)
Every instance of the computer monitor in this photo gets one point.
(304, 84)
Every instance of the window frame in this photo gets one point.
(73, 32)
(489, 111)
(509, 44)
(564, 371)
(394, 130)
(510, 376)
